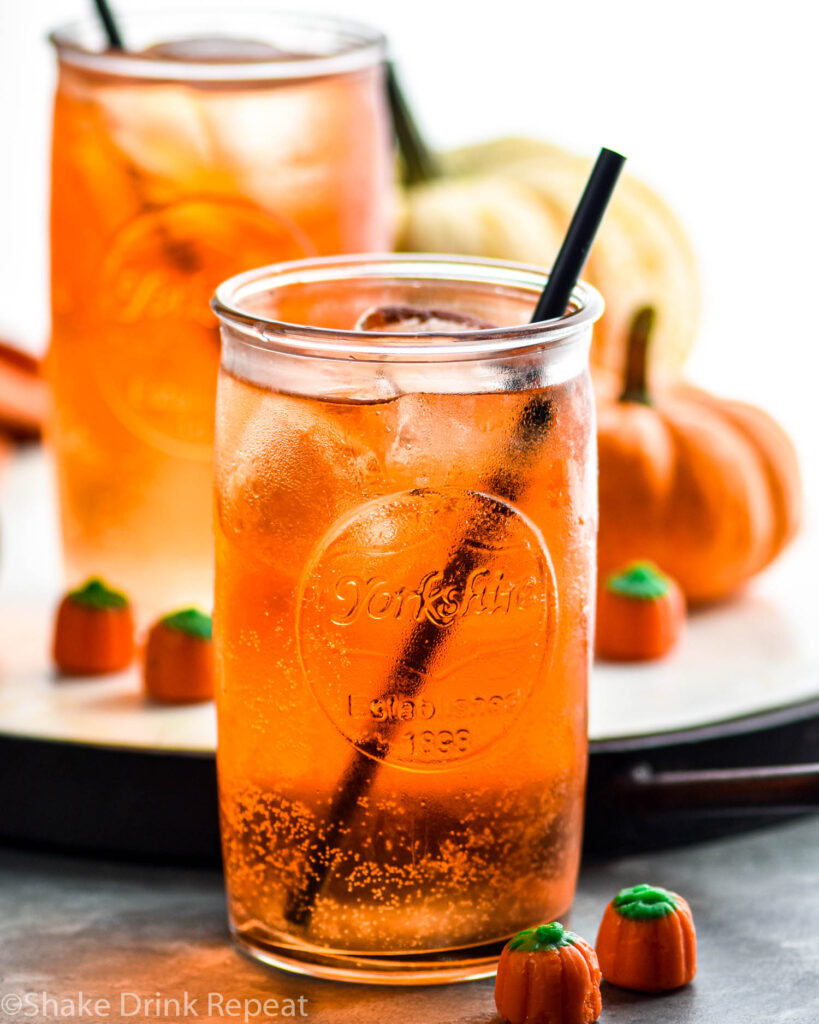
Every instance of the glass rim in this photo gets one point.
(395, 346)
(368, 47)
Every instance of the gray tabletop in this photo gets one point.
(91, 940)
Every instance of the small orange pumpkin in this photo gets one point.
(547, 975)
(640, 614)
(179, 658)
(706, 488)
(647, 941)
(94, 631)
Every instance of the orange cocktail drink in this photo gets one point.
(212, 145)
(405, 537)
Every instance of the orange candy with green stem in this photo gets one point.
(647, 941)
(179, 658)
(94, 631)
(640, 614)
(548, 975)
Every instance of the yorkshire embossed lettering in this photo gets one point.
(133, 296)
(372, 585)
(440, 602)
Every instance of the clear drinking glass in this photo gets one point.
(405, 547)
(219, 141)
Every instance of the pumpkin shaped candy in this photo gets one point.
(548, 975)
(708, 489)
(94, 631)
(640, 614)
(647, 940)
(179, 666)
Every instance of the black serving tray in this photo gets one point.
(643, 793)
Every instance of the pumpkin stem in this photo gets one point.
(96, 594)
(644, 902)
(640, 580)
(419, 164)
(635, 386)
(544, 937)
(190, 621)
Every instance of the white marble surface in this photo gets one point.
(757, 653)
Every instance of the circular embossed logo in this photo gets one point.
(426, 619)
(159, 364)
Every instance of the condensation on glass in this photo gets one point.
(405, 547)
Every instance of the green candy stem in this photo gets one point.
(190, 621)
(640, 580)
(97, 595)
(542, 938)
(644, 903)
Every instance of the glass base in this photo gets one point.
(441, 968)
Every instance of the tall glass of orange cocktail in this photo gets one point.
(405, 537)
(217, 142)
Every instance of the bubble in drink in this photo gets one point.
(415, 319)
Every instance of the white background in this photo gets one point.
(715, 104)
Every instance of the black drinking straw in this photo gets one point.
(109, 24)
(419, 163)
(574, 251)
(426, 642)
